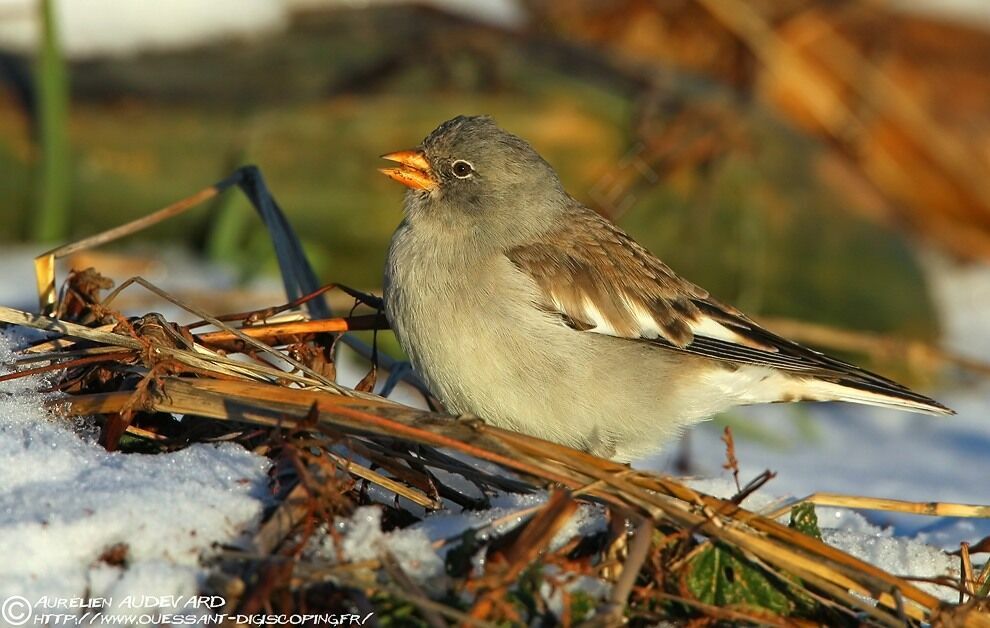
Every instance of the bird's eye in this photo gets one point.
(462, 169)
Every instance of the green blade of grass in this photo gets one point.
(51, 219)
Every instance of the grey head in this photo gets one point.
(471, 179)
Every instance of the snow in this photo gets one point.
(19, 270)
(100, 28)
(422, 546)
(363, 540)
(64, 502)
(862, 451)
(91, 28)
(960, 293)
(899, 556)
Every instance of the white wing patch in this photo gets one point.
(647, 327)
(710, 328)
(593, 315)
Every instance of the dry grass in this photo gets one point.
(267, 380)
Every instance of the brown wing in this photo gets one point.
(600, 280)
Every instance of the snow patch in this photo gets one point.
(363, 540)
(65, 502)
(118, 27)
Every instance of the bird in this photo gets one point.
(521, 306)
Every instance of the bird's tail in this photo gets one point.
(874, 392)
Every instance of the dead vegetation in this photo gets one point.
(267, 380)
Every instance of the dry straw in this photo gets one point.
(271, 387)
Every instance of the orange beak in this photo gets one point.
(414, 171)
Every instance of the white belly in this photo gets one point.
(478, 342)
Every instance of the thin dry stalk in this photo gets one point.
(66, 328)
(283, 522)
(44, 264)
(983, 581)
(639, 549)
(731, 463)
(966, 577)
(928, 509)
(287, 333)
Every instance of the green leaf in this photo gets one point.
(582, 606)
(391, 612)
(720, 576)
(805, 520)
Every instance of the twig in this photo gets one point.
(639, 549)
(277, 333)
(930, 509)
(45, 263)
(966, 577)
(65, 328)
(730, 457)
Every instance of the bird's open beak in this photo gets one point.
(414, 172)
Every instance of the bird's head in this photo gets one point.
(471, 175)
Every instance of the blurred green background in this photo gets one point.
(315, 104)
